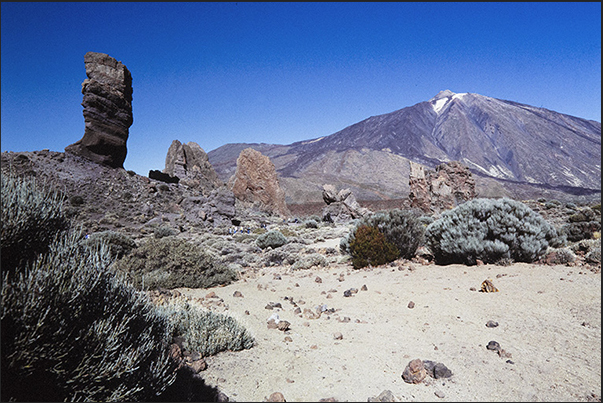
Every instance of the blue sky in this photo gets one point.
(218, 73)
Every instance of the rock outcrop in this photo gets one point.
(190, 164)
(107, 111)
(341, 206)
(448, 186)
(255, 182)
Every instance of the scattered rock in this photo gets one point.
(342, 206)
(493, 345)
(491, 323)
(211, 295)
(288, 339)
(488, 286)
(190, 164)
(283, 325)
(237, 294)
(272, 305)
(337, 336)
(385, 396)
(318, 280)
(328, 399)
(414, 372)
(198, 365)
(439, 394)
(411, 305)
(276, 397)
(364, 288)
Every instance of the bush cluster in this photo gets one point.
(490, 230)
(370, 247)
(205, 332)
(172, 263)
(75, 329)
(273, 239)
(31, 217)
(400, 228)
(119, 244)
(163, 231)
(582, 225)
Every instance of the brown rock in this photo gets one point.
(237, 294)
(255, 181)
(414, 372)
(198, 366)
(276, 397)
(448, 186)
(488, 286)
(283, 325)
(364, 288)
(337, 336)
(107, 111)
(385, 396)
(318, 280)
(191, 165)
(411, 305)
(327, 399)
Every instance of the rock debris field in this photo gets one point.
(537, 339)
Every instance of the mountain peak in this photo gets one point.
(443, 94)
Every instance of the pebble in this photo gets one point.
(283, 325)
(247, 313)
(411, 305)
(318, 280)
(364, 288)
(439, 394)
(493, 345)
(385, 396)
(414, 372)
(276, 397)
(237, 294)
(491, 323)
(289, 339)
(328, 399)
(211, 295)
(337, 336)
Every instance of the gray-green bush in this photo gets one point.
(119, 244)
(72, 329)
(163, 231)
(273, 238)
(401, 228)
(172, 263)
(31, 218)
(490, 230)
(207, 333)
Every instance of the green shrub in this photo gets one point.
(370, 247)
(309, 261)
(562, 256)
(163, 231)
(119, 244)
(490, 230)
(577, 231)
(205, 332)
(31, 218)
(594, 256)
(401, 228)
(73, 329)
(311, 224)
(76, 200)
(274, 239)
(172, 263)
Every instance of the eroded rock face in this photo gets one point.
(107, 111)
(341, 206)
(255, 181)
(448, 186)
(190, 164)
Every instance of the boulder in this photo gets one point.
(448, 186)
(107, 111)
(190, 164)
(341, 206)
(414, 372)
(255, 182)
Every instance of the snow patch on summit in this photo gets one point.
(438, 103)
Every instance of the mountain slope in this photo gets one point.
(499, 140)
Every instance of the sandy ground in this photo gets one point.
(549, 321)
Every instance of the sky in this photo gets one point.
(218, 73)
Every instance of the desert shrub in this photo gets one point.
(585, 245)
(31, 218)
(205, 332)
(401, 228)
(118, 244)
(594, 256)
(73, 329)
(562, 256)
(76, 200)
(490, 230)
(163, 231)
(596, 207)
(370, 247)
(274, 239)
(571, 206)
(577, 231)
(309, 261)
(172, 263)
(278, 257)
(584, 215)
(311, 224)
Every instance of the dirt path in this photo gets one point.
(549, 321)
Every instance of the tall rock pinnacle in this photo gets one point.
(107, 111)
